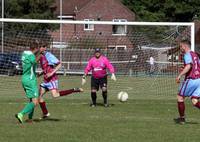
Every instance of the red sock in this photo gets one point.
(43, 107)
(181, 109)
(66, 92)
(197, 105)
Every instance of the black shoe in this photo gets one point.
(179, 120)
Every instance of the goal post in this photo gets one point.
(128, 45)
(191, 24)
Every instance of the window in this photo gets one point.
(117, 47)
(169, 57)
(119, 29)
(111, 47)
(58, 44)
(121, 47)
(88, 27)
(134, 56)
(176, 58)
(66, 17)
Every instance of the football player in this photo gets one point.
(50, 65)
(98, 65)
(190, 87)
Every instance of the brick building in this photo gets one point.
(106, 36)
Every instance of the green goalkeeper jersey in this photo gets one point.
(29, 66)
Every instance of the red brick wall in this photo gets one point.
(106, 10)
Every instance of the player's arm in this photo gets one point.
(56, 68)
(188, 61)
(87, 69)
(111, 69)
(183, 72)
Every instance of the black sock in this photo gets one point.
(94, 97)
(104, 94)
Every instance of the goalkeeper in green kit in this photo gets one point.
(29, 81)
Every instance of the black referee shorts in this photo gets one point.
(100, 82)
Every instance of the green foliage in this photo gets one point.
(164, 10)
(29, 9)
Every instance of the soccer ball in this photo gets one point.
(122, 96)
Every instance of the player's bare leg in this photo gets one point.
(93, 97)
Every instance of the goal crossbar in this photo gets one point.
(96, 22)
(191, 24)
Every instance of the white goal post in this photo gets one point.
(191, 24)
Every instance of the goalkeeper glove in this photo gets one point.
(83, 80)
(113, 77)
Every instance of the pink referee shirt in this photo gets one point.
(99, 66)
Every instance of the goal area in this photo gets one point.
(128, 45)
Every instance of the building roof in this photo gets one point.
(71, 6)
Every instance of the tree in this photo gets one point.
(164, 10)
(29, 9)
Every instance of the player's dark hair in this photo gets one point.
(43, 44)
(186, 41)
(34, 44)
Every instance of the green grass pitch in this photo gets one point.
(147, 116)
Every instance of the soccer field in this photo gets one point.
(147, 116)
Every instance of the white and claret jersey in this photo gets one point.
(48, 62)
(193, 59)
(190, 87)
(29, 66)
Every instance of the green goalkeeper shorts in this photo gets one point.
(30, 88)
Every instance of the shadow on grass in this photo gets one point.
(177, 121)
(47, 119)
(100, 104)
(188, 123)
(191, 122)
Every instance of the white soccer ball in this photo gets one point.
(122, 96)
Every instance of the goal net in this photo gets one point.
(145, 55)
